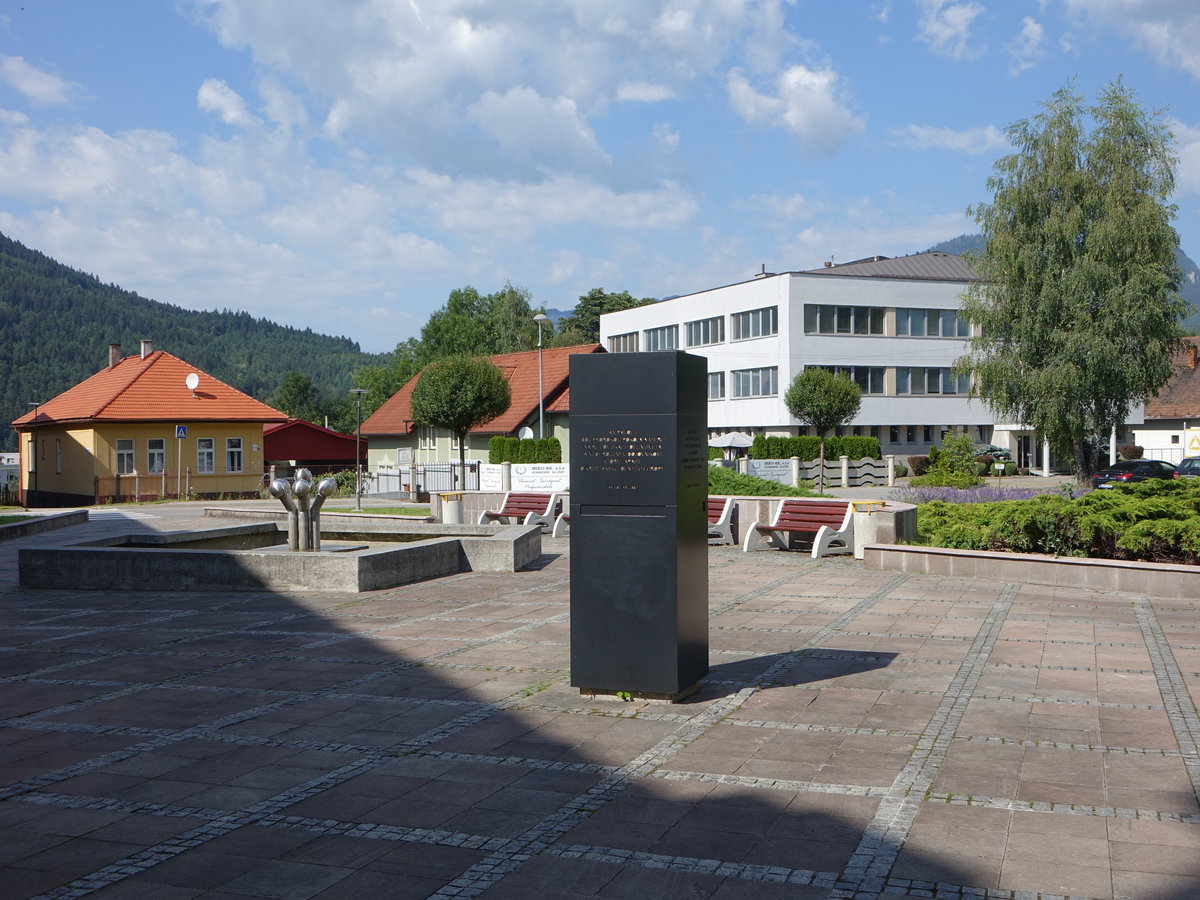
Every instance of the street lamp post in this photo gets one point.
(358, 392)
(541, 318)
(33, 461)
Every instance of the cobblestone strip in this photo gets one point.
(1181, 711)
(538, 839)
(1063, 745)
(870, 866)
(1074, 809)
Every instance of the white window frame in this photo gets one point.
(716, 385)
(426, 437)
(665, 337)
(754, 323)
(234, 458)
(759, 382)
(623, 343)
(705, 332)
(156, 457)
(126, 456)
(206, 456)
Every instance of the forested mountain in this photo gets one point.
(1189, 289)
(56, 324)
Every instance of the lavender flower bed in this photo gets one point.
(981, 494)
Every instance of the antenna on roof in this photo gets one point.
(192, 381)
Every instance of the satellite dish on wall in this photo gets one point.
(525, 433)
(192, 381)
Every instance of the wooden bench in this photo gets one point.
(720, 521)
(527, 509)
(830, 522)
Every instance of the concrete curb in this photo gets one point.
(1156, 579)
(42, 523)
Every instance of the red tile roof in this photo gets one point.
(1180, 398)
(521, 370)
(151, 389)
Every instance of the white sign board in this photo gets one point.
(489, 477)
(777, 470)
(541, 477)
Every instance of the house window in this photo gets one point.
(58, 456)
(868, 378)
(893, 434)
(706, 331)
(233, 454)
(206, 455)
(125, 463)
(754, 324)
(923, 380)
(32, 453)
(665, 338)
(156, 455)
(931, 323)
(426, 438)
(454, 442)
(716, 385)
(822, 319)
(756, 382)
(623, 343)
(929, 434)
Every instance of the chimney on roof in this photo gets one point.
(829, 263)
(114, 354)
(1191, 356)
(147, 348)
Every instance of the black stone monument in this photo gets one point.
(639, 528)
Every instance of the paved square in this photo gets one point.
(862, 735)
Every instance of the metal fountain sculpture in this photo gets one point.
(303, 501)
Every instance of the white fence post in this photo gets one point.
(845, 461)
(795, 471)
(891, 469)
(506, 476)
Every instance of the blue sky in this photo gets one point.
(342, 166)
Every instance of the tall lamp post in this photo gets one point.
(541, 318)
(358, 392)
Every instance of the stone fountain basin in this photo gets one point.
(361, 556)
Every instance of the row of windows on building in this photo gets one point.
(818, 319)
(156, 455)
(871, 380)
(909, 434)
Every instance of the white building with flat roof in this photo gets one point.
(891, 324)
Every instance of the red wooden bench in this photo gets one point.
(830, 522)
(527, 509)
(720, 521)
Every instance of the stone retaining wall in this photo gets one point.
(1155, 579)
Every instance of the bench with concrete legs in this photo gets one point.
(830, 522)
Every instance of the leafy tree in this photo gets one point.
(381, 382)
(458, 393)
(1079, 293)
(458, 328)
(510, 320)
(824, 400)
(583, 325)
(297, 397)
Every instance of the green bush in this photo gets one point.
(942, 478)
(535, 450)
(919, 465)
(726, 481)
(807, 447)
(1010, 468)
(1153, 521)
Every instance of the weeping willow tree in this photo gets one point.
(1078, 301)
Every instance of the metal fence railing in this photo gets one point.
(428, 478)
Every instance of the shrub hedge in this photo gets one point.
(514, 450)
(1153, 521)
(807, 447)
(722, 480)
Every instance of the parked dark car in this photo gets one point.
(1188, 467)
(1130, 470)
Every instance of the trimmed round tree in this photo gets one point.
(458, 393)
(824, 400)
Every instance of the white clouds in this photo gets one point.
(946, 27)
(216, 96)
(1026, 48)
(807, 103)
(40, 88)
(534, 130)
(666, 138)
(643, 92)
(1187, 176)
(1168, 29)
(968, 140)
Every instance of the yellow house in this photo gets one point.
(146, 426)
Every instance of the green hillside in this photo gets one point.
(56, 324)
